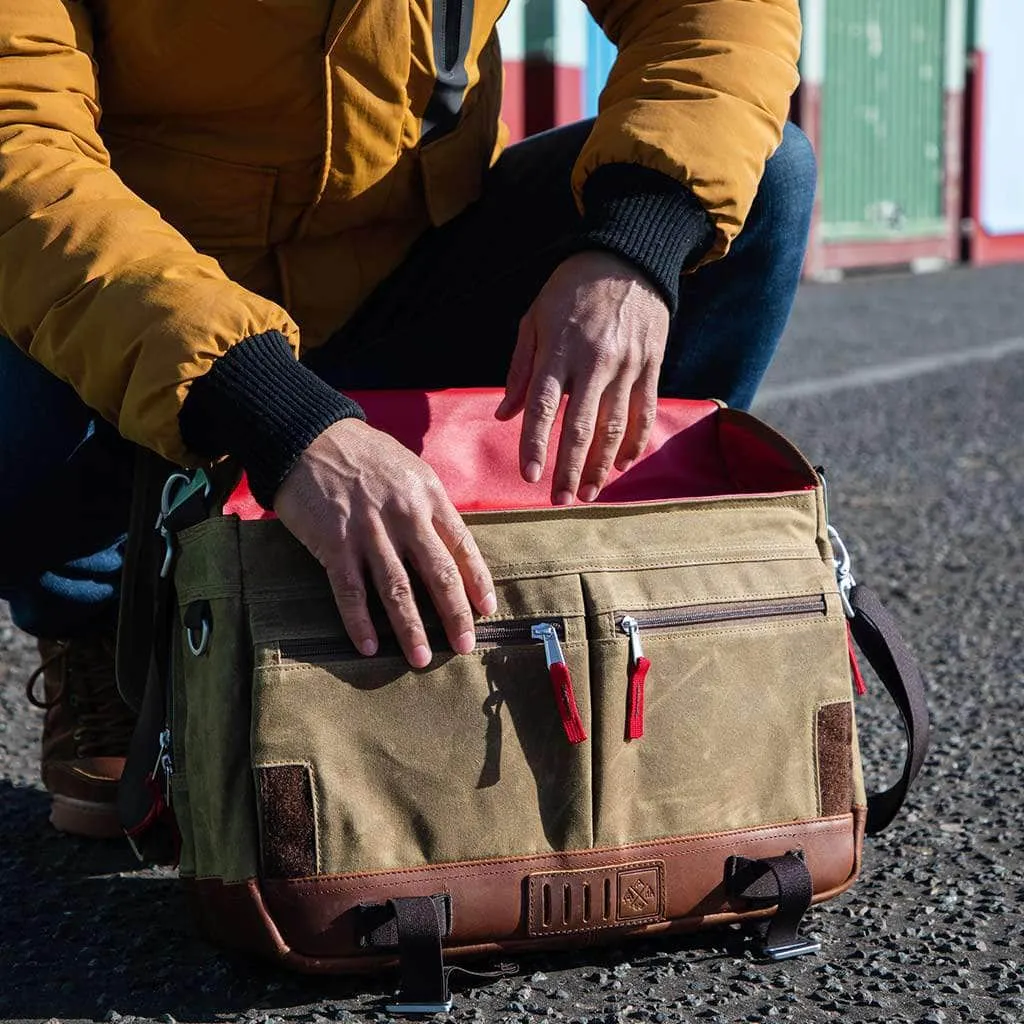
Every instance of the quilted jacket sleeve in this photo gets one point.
(93, 283)
(700, 92)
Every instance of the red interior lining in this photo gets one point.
(691, 455)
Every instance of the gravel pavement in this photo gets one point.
(927, 471)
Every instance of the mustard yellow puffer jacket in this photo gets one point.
(294, 150)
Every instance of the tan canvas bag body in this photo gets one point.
(655, 733)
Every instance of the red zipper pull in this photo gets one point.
(639, 668)
(858, 680)
(561, 681)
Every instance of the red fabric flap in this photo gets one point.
(477, 457)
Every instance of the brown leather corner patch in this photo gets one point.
(612, 896)
(288, 833)
(835, 758)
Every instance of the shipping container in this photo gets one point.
(881, 99)
(556, 57)
(996, 132)
(512, 37)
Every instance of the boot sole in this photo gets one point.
(85, 818)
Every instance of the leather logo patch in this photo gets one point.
(639, 893)
(589, 899)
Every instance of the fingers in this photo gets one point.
(476, 577)
(543, 397)
(643, 407)
(349, 590)
(519, 370)
(577, 437)
(395, 589)
(612, 423)
(443, 578)
(448, 561)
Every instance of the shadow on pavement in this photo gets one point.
(85, 931)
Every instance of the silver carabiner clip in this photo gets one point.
(174, 481)
(844, 577)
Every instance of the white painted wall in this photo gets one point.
(1001, 39)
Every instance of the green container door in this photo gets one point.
(882, 146)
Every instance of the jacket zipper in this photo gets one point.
(667, 618)
(500, 634)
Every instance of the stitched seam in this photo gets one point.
(660, 605)
(728, 838)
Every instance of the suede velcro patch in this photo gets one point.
(835, 758)
(288, 821)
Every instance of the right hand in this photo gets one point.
(359, 500)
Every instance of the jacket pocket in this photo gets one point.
(214, 203)
(465, 760)
(706, 712)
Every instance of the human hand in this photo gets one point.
(597, 332)
(358, 500)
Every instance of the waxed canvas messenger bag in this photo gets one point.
(655, 733)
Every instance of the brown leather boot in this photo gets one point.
(85, 734)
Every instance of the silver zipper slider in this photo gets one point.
(546, 632)
(631, 628)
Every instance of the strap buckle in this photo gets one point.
(789, 950)
(444, 1007)
(785, 883)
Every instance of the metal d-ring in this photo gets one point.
(198, 649)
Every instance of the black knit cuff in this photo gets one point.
(262, 407)
(647, 218)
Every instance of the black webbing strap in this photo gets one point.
(878, 637)
(785, 882)
(415, 925)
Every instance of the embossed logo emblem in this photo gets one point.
(639, 894)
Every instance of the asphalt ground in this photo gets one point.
(911, 391)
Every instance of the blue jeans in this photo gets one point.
(65, 475)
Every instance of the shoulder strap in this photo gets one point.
(877, 636)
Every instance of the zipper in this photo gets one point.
(164, 763)
(450, 12)
(499, 634)
(518, 632)
(561, 681)
(667, 618)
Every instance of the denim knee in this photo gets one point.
(786, 194)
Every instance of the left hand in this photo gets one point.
(597, 332)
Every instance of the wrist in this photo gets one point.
(260, 406)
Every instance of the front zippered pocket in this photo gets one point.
(550, 633)
(497, 634)
(633, 624)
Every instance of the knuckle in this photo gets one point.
(543, 406)
(578, 433)
(645, 418)
(463, 542)
(349, 588)
(612, 430)
(447, 576)
(396, 589)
